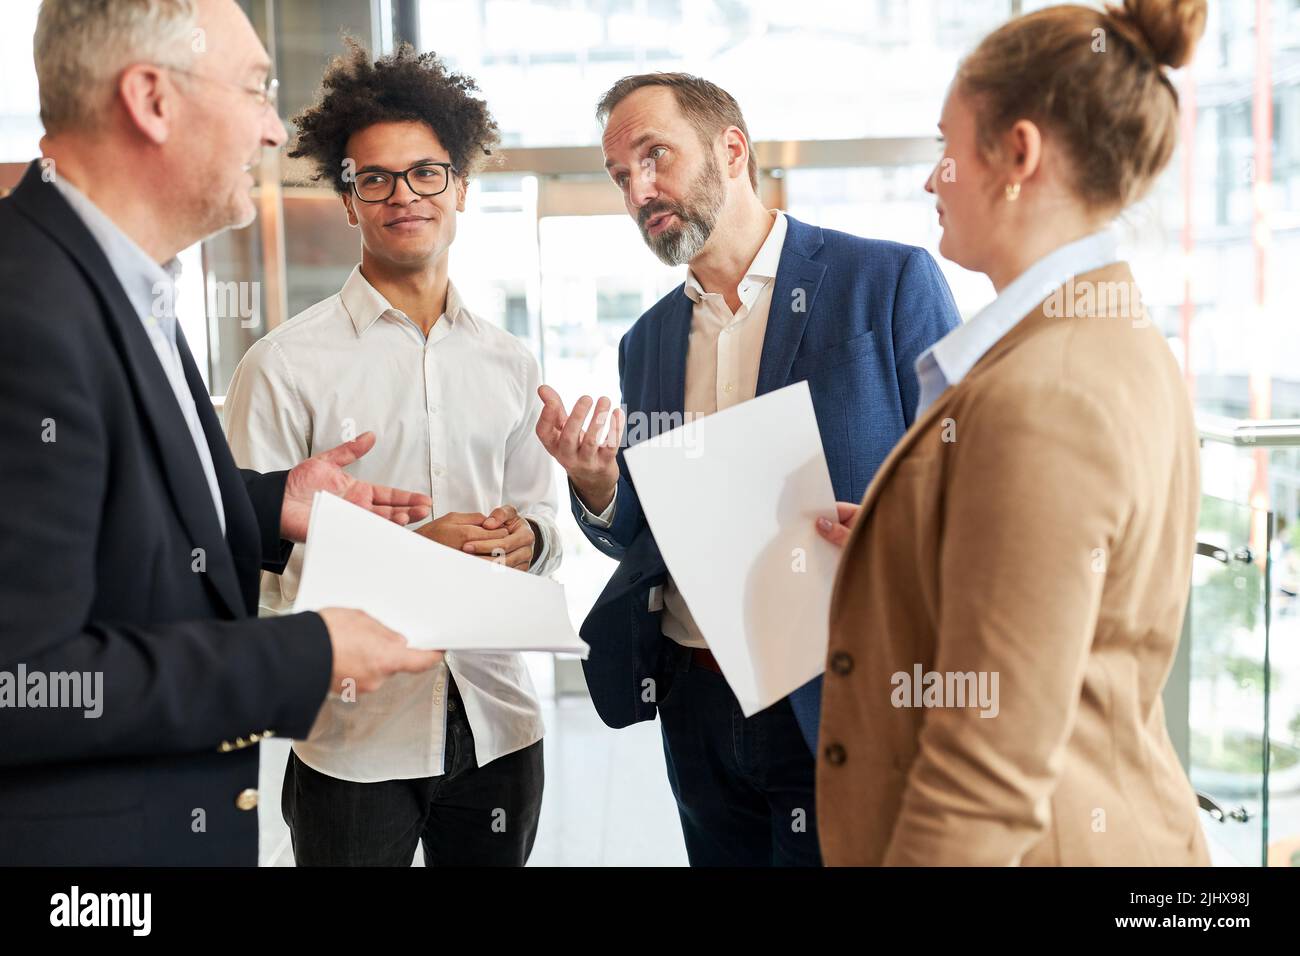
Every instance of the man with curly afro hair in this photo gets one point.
(450, 759)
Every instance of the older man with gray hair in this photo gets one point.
(130, 544)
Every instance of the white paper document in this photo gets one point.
(434, 596)
(731, 499)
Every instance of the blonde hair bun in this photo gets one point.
(1168, 29)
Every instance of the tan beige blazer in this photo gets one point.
(1034, 530)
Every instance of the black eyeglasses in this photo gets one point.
(423, 179)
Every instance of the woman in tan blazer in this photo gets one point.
(1013, 584)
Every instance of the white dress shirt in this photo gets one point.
(722, 360)
(151, 290)
(946, 363)
(454, 417)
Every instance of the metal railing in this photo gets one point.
(1249, 432)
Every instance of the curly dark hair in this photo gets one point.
(405, 85)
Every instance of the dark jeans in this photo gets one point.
(744, 786)
(468, 816)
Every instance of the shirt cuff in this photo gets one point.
(543, 545)
(602, 520)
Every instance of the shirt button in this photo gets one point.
(835, 755)
(841, 662)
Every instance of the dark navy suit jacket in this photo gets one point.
(113, 562)
(849, 315)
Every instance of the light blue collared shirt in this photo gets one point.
(151, 290)
(949, 360)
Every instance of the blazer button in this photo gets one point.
(247, 800)
(226, 746)
(835, 754)
(841, 662)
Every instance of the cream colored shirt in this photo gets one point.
(722, 359)
(454, 418)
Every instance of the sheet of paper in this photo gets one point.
(434, 596)
(731, 499)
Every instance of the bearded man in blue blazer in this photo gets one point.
(767, 301)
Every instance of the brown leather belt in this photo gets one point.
(702, 657)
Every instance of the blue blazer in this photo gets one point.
(849, 315)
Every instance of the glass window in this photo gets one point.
(883, 202)
(834, 69)
(597, 278)
(20, 120)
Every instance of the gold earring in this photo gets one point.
(1013, 192)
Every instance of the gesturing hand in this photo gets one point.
(592, 464)
(324, 472)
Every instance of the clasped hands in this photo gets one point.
(364, 652)
(504, 536)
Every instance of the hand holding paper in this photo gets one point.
(837, 533)
(731, 499)
(434, 596)
(367, 653)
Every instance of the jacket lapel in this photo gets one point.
(242, 535)
(919, 428)
(797, 280)
(674, 340)
(173, 444)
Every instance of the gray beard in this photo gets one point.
(698, 215)
(677, 246)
